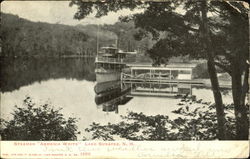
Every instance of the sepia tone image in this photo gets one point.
(111, 70)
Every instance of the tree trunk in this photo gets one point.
(245, 85)
(212, 72)
(217, 98)
(239, 91)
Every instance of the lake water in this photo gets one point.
(69, 84)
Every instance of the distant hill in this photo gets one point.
(106, 37)
(21, 37)
(121, 33)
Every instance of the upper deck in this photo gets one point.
(111, 55)
(110, 60)
(172, 71)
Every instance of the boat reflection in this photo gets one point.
(109, 64)
(109, 95)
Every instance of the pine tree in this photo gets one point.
(205, 29)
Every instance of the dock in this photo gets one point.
(168, 81)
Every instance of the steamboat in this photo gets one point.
(109, 64)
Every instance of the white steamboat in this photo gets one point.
(109, 64)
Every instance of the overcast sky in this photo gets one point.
(54, 12)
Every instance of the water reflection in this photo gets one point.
(109, 64)
(174, 81)
(19, 72)
(70, 84)
(110, 95)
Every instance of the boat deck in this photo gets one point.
(162, 81)
(153, 94)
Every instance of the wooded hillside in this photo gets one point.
(21, 37)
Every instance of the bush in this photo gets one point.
(200, 71)
(38, 123)
(196, 121)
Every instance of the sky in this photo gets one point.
(55, 12)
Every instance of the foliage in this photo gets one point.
(177, 27)
(86, 8)
(200, 71)
(196, 121)
(33, 122)
(190, 30)
(21, 37)
(200, 123)
(120, 32)
(125, 32)
(137, 127)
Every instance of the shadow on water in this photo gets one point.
(18, 72)
(224, 91)
(109, 95)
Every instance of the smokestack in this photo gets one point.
(116, 43)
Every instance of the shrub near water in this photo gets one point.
(32, 122)
(196, 121)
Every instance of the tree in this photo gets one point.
(239, 68)
(193, 32)
(213, 38)
(38, 123)
(232, 55)
(21, 37)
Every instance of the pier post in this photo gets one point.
(191, 91)
(116, 109)
(121, 80)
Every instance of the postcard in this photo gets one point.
(124, 79)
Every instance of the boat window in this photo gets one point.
(98, 65)
(110, 51)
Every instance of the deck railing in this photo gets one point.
(128, 78)
(148, 77)
(108, 59)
